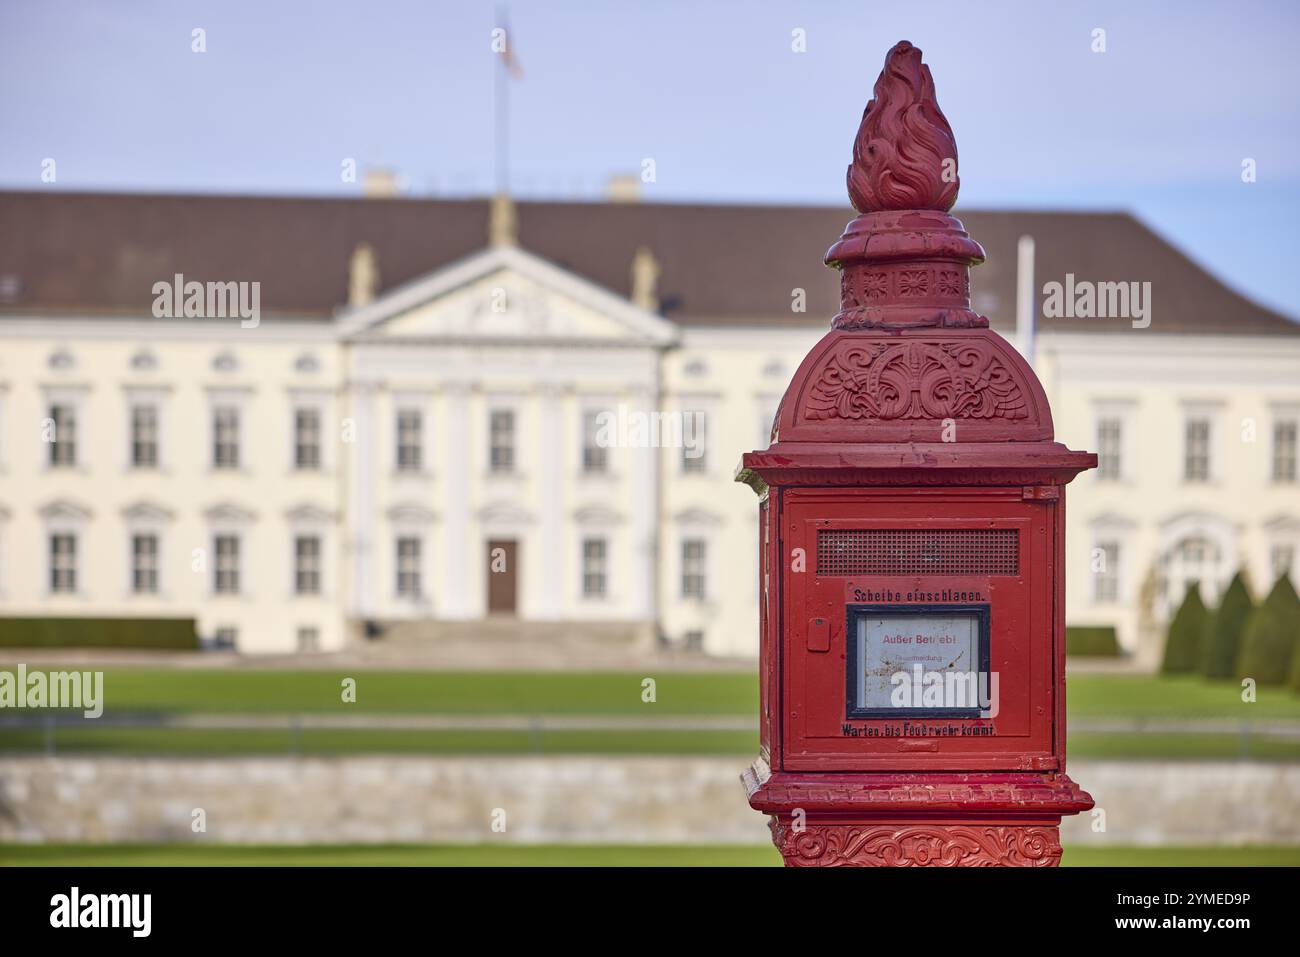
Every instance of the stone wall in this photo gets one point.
(555, 799)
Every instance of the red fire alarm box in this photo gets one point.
(912, 503)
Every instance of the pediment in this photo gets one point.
(697, 517)
(410, 513)
(146, 511)
(65, 510)
(1283, 524)
(505, 513)
(506, 294)
(1112, 521)
(597, 514)
(230, 513)
(308, 513)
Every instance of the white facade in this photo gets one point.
(1202, 478)
(287, 483)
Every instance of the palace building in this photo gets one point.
(412, 433)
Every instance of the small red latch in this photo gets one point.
(819, 634)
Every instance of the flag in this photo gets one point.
(507, 54)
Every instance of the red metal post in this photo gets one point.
(912, 484)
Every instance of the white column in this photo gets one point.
(361, 500)
(454, 596)
(554, 457)
(644, 520)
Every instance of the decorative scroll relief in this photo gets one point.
(956, 845)
(916, 380)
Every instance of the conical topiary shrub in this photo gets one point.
(1295, 666)
(1266, 648)
(1183, 642)
(1222, 640)
(1268, 643)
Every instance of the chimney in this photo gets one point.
(363, 276)
(1025, 297)
(623, 188)
(503, 226)
(645, 276)
(382, 184)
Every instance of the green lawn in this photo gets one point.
(192, 741)
(677, 693)
(426, 692)
(1167, 746)
(274, 693)
(1094, 695)
(514, 855)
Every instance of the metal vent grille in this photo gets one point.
(916, 551)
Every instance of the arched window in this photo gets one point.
(1194, 559)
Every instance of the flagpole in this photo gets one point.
(501, 102)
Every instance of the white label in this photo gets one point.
(890, 646)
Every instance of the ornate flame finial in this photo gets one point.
(905, 156)
(905, 261)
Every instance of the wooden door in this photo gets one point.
(503, 578)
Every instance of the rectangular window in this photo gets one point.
(144, 436)
(225, 437)
(501, 439)
(63, 562)
(309, 639)
(1196, 461)
(1109, 435)
(144, 564)
(1105, 589)
(695, 459)
(225, 548)
(408, 567)
(693, 561)
(1284, 451)
(593, 567)
(225, 639)
(306, 565)
(306, 439)
(63, 447)
(410, 440)
(595, 457)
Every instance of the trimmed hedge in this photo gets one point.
(1183, 642)
(1269, 643)
(1221, 644)
(154, 633)
(1092, 641)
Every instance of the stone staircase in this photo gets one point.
(504, 643)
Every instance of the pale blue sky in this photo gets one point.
(1158, 124)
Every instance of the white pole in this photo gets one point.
(1025, 297)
